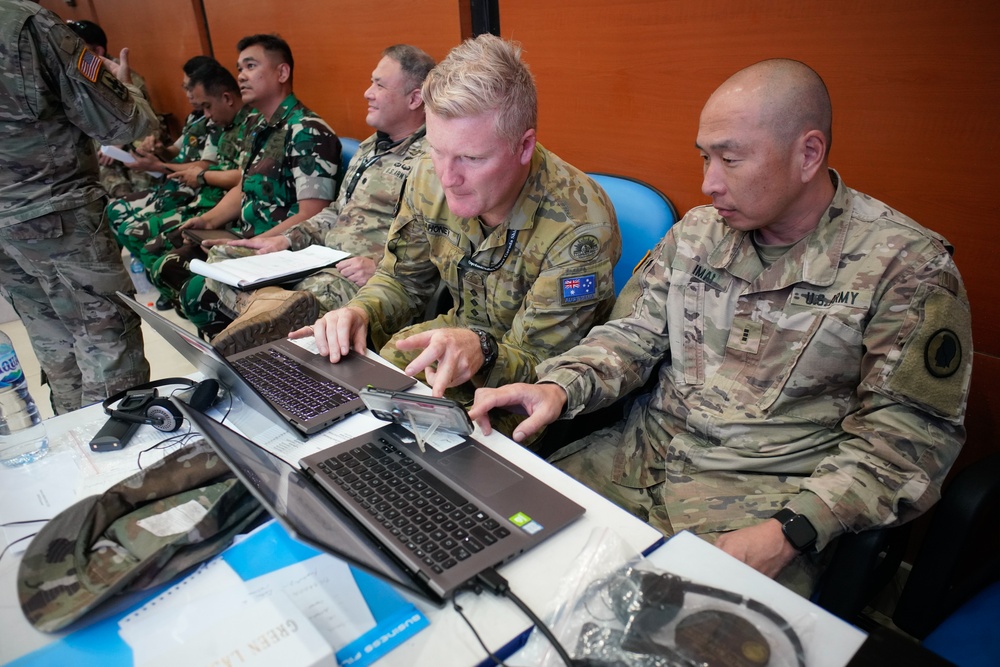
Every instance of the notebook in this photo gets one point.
(452, 515)
(280, 381)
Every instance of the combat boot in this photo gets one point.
(271, 314)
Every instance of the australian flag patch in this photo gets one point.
(580, 288)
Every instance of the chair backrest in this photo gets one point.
(644, 216)
(348, 147)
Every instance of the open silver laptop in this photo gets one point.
(429, 522)
(280, 379)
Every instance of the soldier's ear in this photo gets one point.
(414, 99)
(284, 72)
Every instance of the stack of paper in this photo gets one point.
(273, 268)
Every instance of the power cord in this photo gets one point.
(492, 581)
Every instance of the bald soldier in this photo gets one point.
(524, 242)
(812, 348)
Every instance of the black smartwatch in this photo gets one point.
(488, 344)
(798, 530)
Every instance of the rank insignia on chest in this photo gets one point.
(580, 288)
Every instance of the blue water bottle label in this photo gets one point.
(10, 370)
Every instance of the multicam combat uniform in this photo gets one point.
(358, 222)
(293, 157)
(130, 217)
(537, 282)
(59, 266)
(834, 381)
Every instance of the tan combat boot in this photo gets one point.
(271, 314)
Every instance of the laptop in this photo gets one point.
(280, 380)
(426, 522)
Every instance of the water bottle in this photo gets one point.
(138, 273)
(22, 432)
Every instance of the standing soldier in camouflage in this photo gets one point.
(524, 242)
(358, 222)
(113, 175)
(290, 172)
(812, 345)
(59, 266)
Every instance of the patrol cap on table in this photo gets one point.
(142, 532)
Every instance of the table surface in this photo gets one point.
(448, 641)
(71, 471)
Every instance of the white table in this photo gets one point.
(533, 576)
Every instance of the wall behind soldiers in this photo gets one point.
(336, 44)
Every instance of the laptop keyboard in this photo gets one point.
(434, 521)
(285, 383)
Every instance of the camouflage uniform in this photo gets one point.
(563, 241)
(293, 157)
(833, 382)
(59, 266)
(117, 179)
(130, 216)
(154, 230)
(358, 222)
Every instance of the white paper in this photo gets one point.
(27, 494)
(124, 157)
(270, 631)
(324, 589)
(243, 271)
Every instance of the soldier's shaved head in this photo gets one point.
(788, 96)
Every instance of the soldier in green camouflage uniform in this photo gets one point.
(823, 367)
(291, 170)
(154, 230)
(129, 216)
(524, 242)
(358, 222)
(59, 266)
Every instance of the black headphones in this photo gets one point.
(142, 404)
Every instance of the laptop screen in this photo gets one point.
(305, 511)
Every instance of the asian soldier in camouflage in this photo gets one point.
(812, 348)
(154, 230)
(290, 173)
(358, 222)
(524, 242)
(59, 265)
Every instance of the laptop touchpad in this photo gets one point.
(480, 471)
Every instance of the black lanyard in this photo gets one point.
(468, 263)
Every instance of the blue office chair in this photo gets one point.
(348, 147)
(644, 216)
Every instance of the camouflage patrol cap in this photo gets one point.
(141, 532)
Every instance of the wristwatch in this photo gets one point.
(201, 177)
(798, 530)
(488, 344)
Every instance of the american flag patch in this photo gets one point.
(89, 65)
(581, 288)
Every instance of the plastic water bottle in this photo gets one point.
(138, 273)
(22, 433)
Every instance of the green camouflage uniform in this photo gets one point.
(358, 222)
(293, 157)
(833, 382)
(59, 266)
(554, 286)
(131, 217)
(156, 226)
